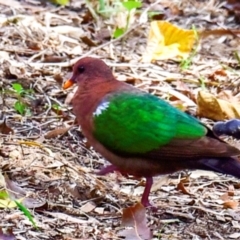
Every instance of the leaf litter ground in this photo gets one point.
(46, 160)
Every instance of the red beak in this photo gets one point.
(68, 84)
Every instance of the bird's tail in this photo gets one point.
(225, 165)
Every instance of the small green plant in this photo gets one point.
(186, 63)
(109, 8)
(102, 6)
(20, 106)
(202, 83)
(237, 57)
(56, 106)
(26, 212)
(129, 6)
(118, 32)
(57, 109)
(105, 7)
(18, 88)
(6, 201)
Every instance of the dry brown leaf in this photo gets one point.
(182, 188)
(56, 132)
(33, 45)
(200, 173)
(99, 210)
(16, 72)
(88, 207)
(13, 188)
(4, 129)
(53, 58)
(225, 197)
(163, 180)
(88, 41)
(217, 109)
(235, 235)
(33, 203)
(135, 222)
(4, 56)
(218, 73)
(231, 190)
(69, 218)
(230, 204)
(11, 3)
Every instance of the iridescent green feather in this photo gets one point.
(139, 123)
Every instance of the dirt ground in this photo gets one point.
(44, 157)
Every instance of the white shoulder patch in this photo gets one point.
(103, 106)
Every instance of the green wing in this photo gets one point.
(138, 123)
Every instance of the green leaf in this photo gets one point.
(202, 82)
(26, 212)
(56, 106)
(20, 107)
(60, 2)
(185, 63)
(129, 5)
(118, 32)
(237, 57)
(4, 194)
(18, 88)
(63, 2)
(101, 5)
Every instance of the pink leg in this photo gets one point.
(106, 170)
(149, 181)
(145, 201)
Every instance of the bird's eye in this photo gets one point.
(81, 69)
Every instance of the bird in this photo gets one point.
(141, 134)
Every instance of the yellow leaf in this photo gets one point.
(8, 203)
(31, 143)
(215, 108)
(168, 41)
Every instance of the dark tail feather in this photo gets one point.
(229, 165)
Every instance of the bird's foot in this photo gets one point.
(148, 205)
(106, 170)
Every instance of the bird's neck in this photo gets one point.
(89, 96)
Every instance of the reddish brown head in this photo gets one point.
(89, 69)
